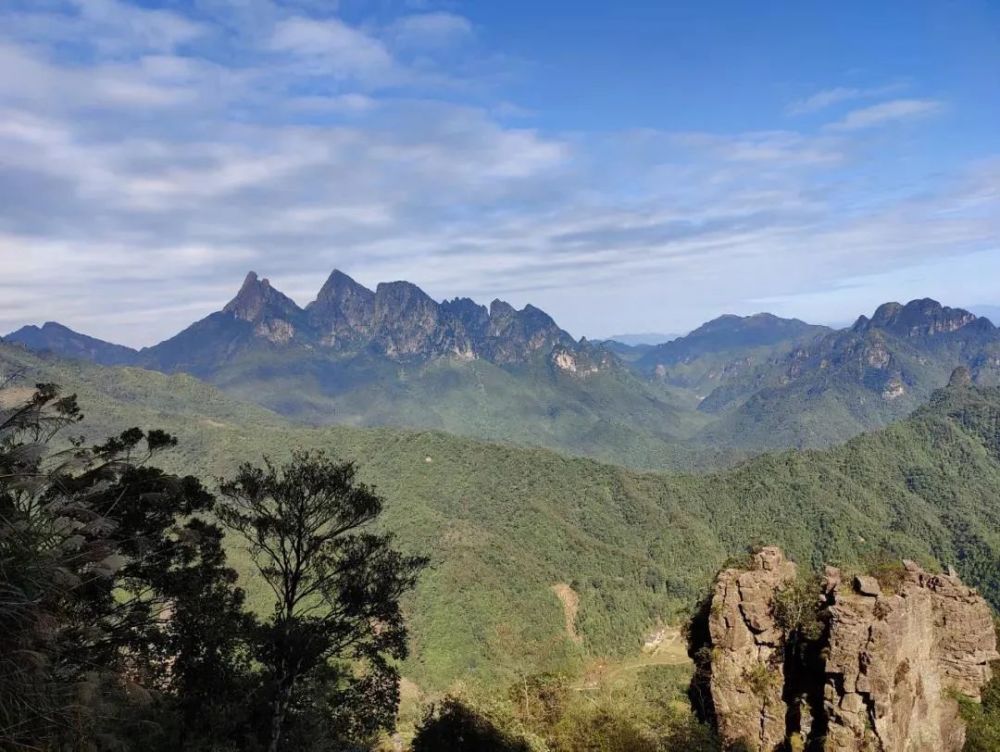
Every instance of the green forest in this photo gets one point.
(488, 540)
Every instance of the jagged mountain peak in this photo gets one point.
(501, 308)
(338, 286)
(923, 317)
(257, 300)
(402, 291)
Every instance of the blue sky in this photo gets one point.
(629, 166)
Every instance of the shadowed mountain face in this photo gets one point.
(398, 321)
(61, 340)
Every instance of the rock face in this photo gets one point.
(747, 680)
(892, 655)
(918, 318)
(893, 659)
(274, 316)
(397, 320)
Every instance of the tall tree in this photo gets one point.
(112, 590)
(337, 626)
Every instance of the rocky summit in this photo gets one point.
(397, 320)
(880, 667)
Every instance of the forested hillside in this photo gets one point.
(504, 524)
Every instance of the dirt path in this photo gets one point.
(571, 604)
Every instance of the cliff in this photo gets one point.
(847, 664)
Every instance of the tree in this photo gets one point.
(337, 624)
(456, 726)
(114, 592)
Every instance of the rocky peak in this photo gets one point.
(747, 678)
(338, 289)
(501, 309)
(400, 321)
(517, 334)
(466, 314)
(918, 318)
(407, 321)
(879, 671)
(257, 299)
(343, 310)
(274, 315)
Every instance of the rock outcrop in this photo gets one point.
(888, 659)
(747, 679)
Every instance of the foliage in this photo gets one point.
(114, 594)
(551, 713)
(502, 524)
(121, 624)
(336, 586)
(454, 726)
(797, 608)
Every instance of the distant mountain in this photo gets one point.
(63, 341)
(723, 349)
(395, 356)
(397, 321)
(855, 379)
(645, 338)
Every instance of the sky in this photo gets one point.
(626, 166)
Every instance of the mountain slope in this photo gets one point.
(394, 356)
(723, 350)
(63, 341)
(854, 380)
(504, 524)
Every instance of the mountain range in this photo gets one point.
(394, 356)
(505, 524)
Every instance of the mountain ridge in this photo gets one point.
(394, 356)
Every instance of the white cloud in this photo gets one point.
(887, 112)
(151, 177)
(829, 97)
(332, 47)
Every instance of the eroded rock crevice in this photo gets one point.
(850, 664)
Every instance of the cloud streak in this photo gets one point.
(826, 98)
(894, 111)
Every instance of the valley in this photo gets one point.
(575, 499)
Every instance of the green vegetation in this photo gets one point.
(649, 712)
(503, 524)
(121, 625)
(983, 733)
